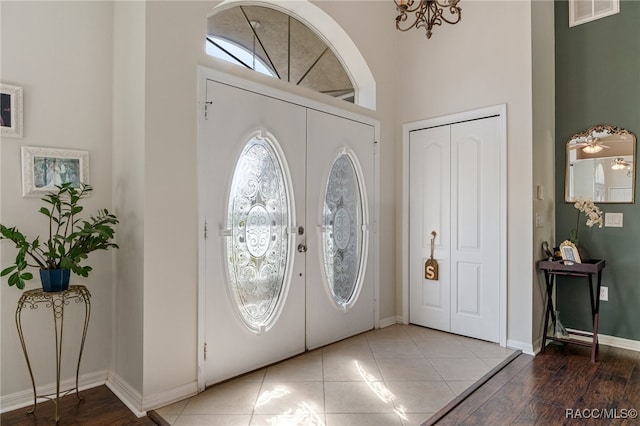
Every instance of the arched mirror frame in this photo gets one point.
(612, 148)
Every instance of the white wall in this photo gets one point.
(542, 16)
(60, 53)
(128, 193)
(484, 60)
(174, 42)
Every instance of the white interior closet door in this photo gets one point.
(253, 156)
(430, 210)
(455, 191)
(340, 184)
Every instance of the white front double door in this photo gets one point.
(285, 196)
(454, 181)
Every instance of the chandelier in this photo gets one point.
(427, 13)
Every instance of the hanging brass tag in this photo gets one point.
(431, 265)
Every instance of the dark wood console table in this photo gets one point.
(587, 269)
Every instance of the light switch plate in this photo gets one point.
(613, 220)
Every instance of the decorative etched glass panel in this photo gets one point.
(258, 247)
(343, 230)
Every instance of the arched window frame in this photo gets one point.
(332, 34)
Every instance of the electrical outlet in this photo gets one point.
(604, 294)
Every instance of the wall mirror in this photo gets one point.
(601, 165)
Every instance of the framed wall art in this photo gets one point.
(10, 111)
(44, 168)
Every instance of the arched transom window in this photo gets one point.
(277, 44)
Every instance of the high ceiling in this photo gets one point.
(290, 49)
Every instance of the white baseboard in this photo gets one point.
(616, 342)
(24, 398)
(139, 405)
(125, 393)
(390, 321)
(526, 348)
(537, 345)
(169, 397)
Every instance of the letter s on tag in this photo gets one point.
(430, 274)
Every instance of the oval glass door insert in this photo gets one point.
(258, 248)
(343, 238)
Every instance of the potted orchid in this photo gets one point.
(593, 214)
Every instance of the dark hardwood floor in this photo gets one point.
(559, 387)
(528, 391)
(100, 407)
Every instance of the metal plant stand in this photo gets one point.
(56, 301)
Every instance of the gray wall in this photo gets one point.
(60, 54)
(598, 81)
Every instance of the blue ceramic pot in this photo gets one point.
(54, 279)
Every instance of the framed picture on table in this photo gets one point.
(569, 253)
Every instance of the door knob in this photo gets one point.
(302, 248)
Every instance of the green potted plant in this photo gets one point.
(69, 242)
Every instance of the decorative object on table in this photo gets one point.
(10, 111)
(69, 242)
(427, 13)
(546, 250)
(559, 329)
(44, 168)
(593, 214)
(570, 254)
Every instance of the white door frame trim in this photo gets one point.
(205, 73)
(495, 110)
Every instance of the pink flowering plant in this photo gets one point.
(593, 214)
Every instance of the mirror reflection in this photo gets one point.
(601, 165)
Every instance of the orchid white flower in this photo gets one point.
(591, 211)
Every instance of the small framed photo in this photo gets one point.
(10, 111)
(569, 253)
(44, 168)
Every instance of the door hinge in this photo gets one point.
(206, 109)
(206, 231)
(205, 351)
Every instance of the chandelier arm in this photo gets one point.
(454, 10)
(406, 7)
(402, 18)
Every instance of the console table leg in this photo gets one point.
(596, 318)
(548, 278)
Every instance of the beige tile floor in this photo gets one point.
(398, 375)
